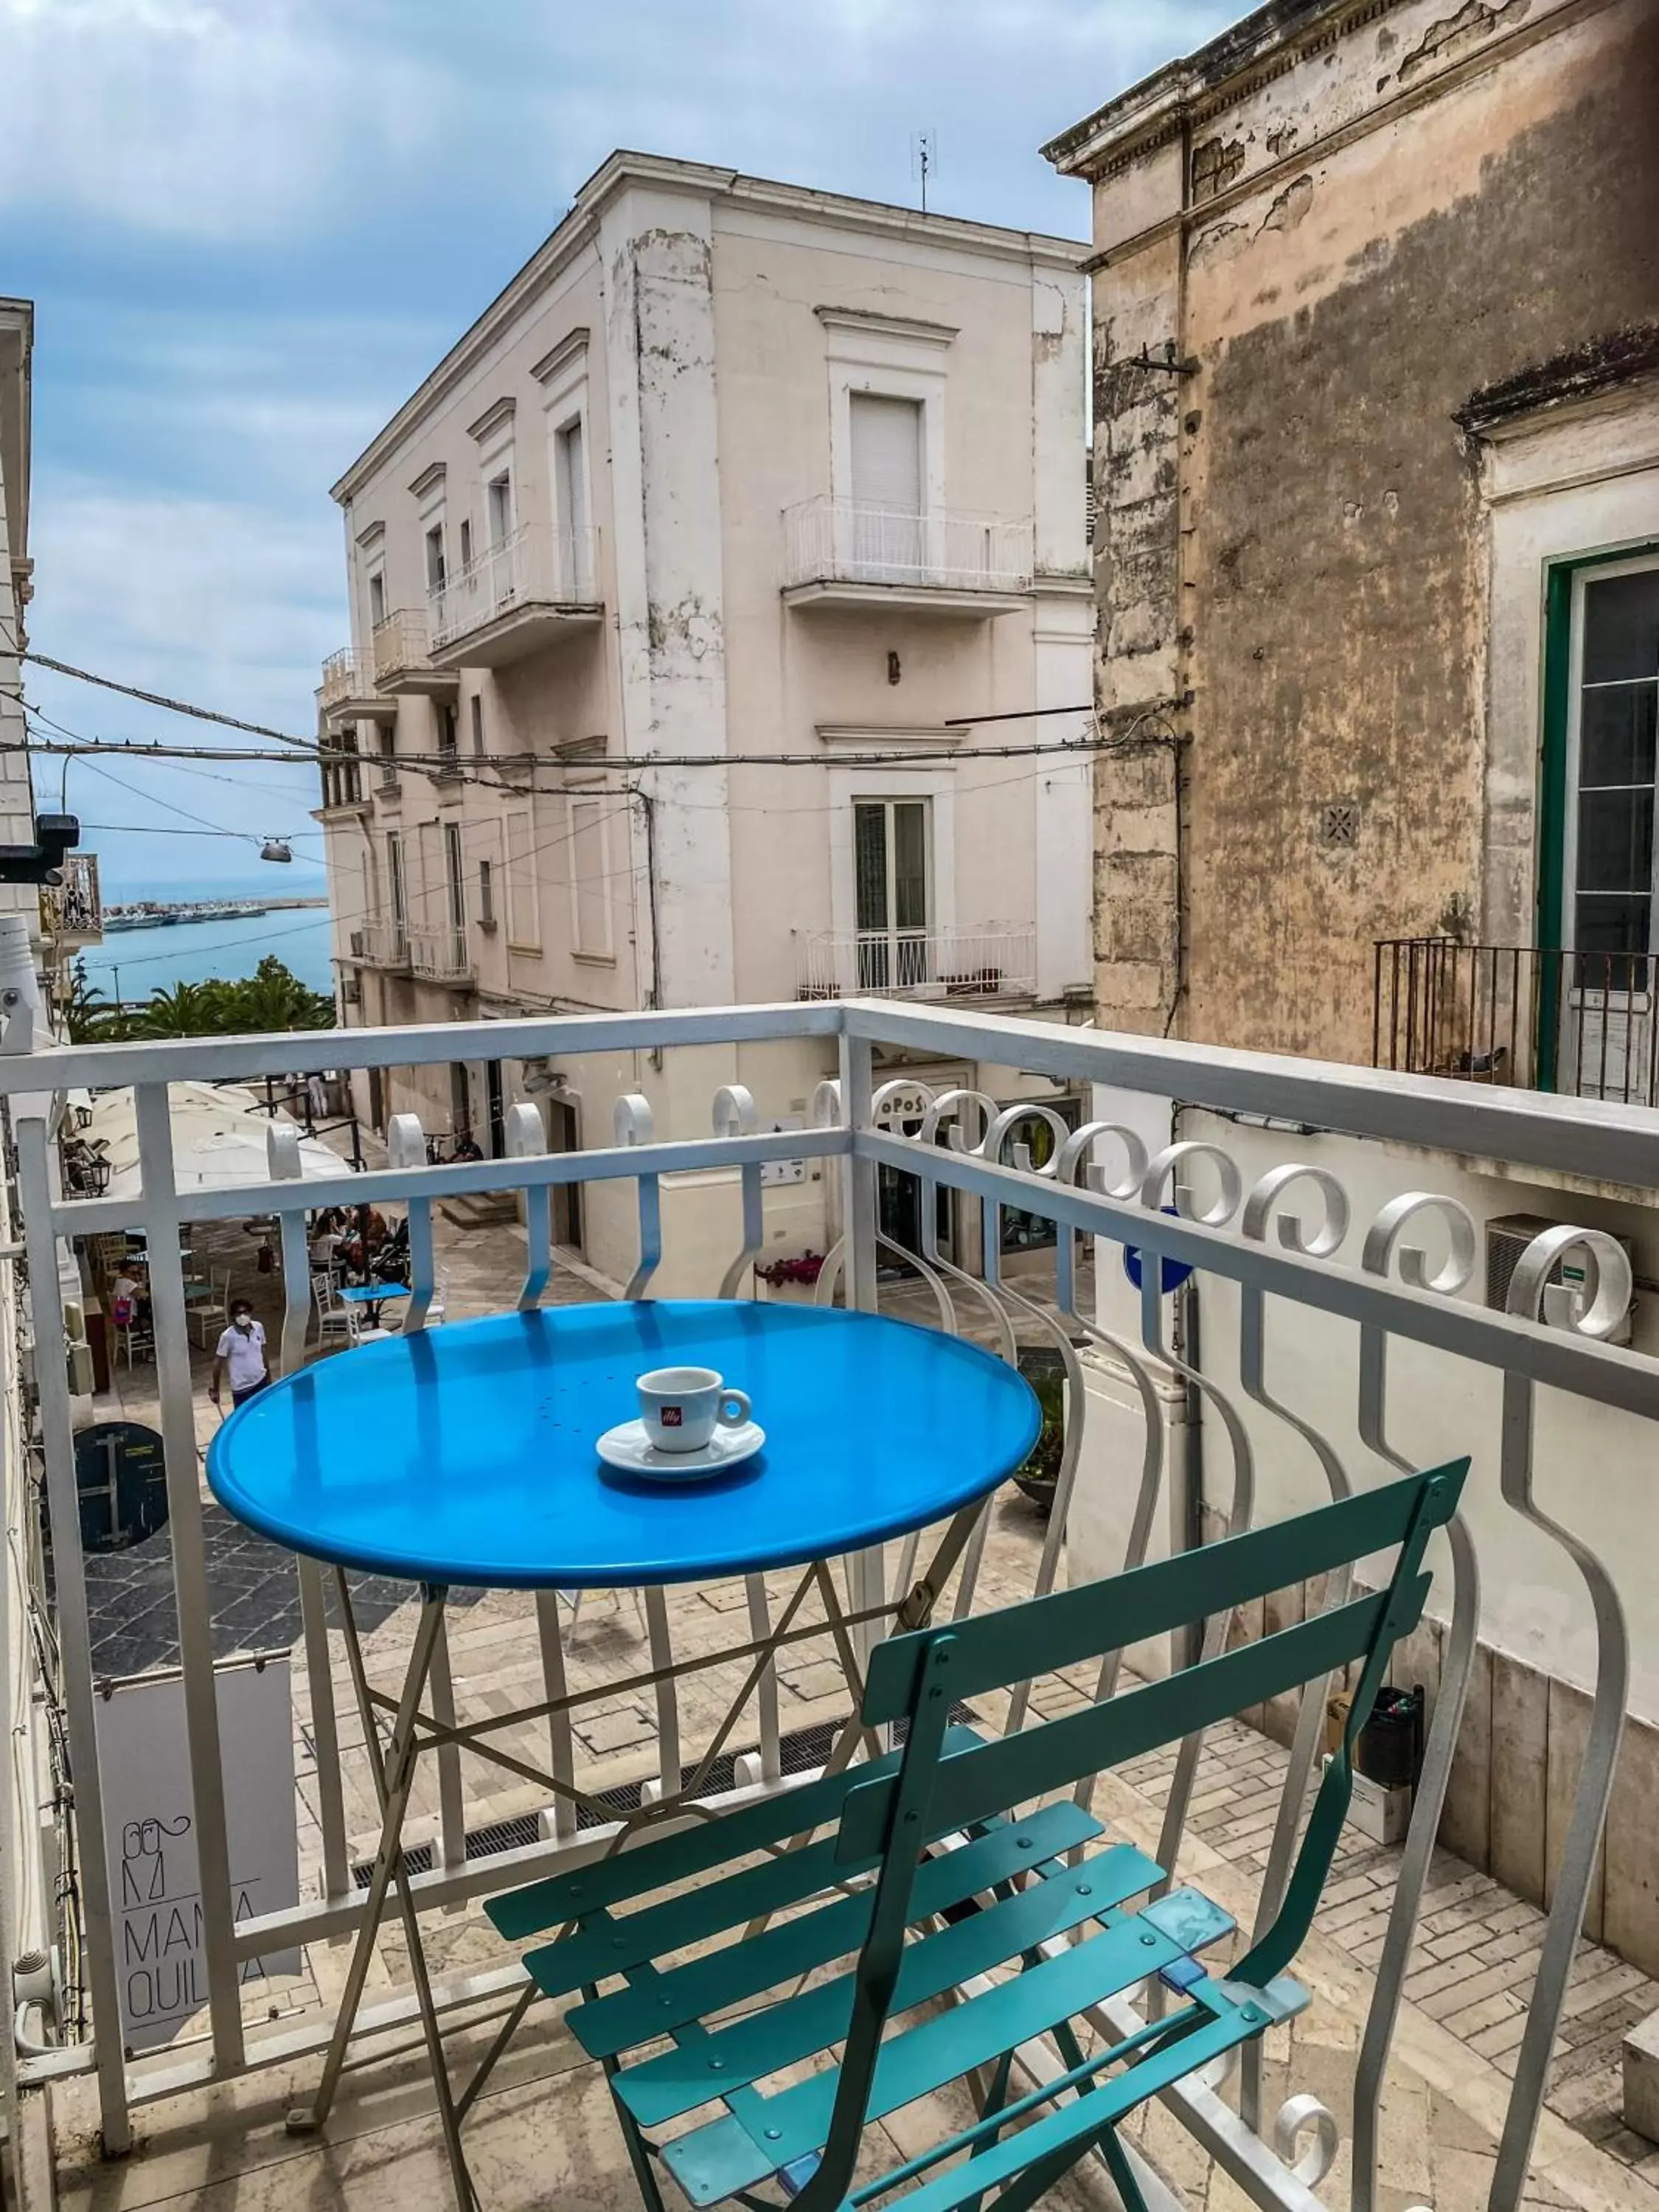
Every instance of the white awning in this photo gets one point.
(218, 1139)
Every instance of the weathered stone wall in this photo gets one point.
(1414, 202)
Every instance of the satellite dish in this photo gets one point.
(275, 848)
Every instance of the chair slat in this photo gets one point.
(763, 2043)
(658, 1860)
(742, 1970)
(938, 2050)
(970, 1785)
(1072, 1625)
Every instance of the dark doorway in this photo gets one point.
(562, 1136)
(496, 1144)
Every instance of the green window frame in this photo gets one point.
(1560, 582)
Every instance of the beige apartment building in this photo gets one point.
(668, 588)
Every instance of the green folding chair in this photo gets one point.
(963, 1885)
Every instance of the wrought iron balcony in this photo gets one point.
(402, 659)
(942, 561)
(347, 692)
(440, 956)
(997, 963)
(1584, 1023)
(533, 588)
(72, 912)
(1336, 1268)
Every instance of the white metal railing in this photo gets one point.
(347, 674)
(1289, 1247)
(532, 565)
(996, 963)
(385, 943)
(440, 956)
(74, 908)
(854, 542)
(398, 646)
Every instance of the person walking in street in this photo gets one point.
(240, 1353)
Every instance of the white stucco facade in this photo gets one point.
(621, 550)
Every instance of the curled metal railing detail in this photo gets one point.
(1168, 1168)
(633, 1123)
(526, 1139)
(1527, 1290)
(1383, 1248)
(735, 1116)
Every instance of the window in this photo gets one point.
(590, 881)
(1614, 726)
(376, 599)
(394, 878)
(477, 704)
(892, 884)
(523, 921)
(498, 493)
(487, 894)
(435, 558)
(466, 541)
(570, 490)
(388, 757)
(448, 735)
(886, 436)
(452, 877)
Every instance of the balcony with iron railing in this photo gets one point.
(381, 945)
(72, 912)
(848, 552)
(1458, 2035)
(400, 652)
(534, 588)
(441, 956)
(998, 961)
(1584, 1023)
(347, 692)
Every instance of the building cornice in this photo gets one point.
(912, 332)
(570, 349)
(502, 411)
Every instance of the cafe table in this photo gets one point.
(485, 1474)
(371, 1297)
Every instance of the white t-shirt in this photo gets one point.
(123, 1286)
(245, 1355)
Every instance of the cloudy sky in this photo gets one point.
(250, 226)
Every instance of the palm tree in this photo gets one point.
(187, 1010)
(274, 997)
(89, 1016)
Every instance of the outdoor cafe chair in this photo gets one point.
(919, 1835)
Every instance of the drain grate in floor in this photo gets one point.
(797, 1753)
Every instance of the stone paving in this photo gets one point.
(545, 2135)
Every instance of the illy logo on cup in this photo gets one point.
(681, 1407)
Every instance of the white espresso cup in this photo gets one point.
(681, 1407)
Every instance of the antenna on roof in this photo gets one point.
(924, 159)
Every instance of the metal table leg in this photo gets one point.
(394, 1776)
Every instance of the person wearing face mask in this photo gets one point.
(240, 1353)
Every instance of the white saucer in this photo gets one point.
(626, 1447)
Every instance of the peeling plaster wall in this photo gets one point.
(1388, 210)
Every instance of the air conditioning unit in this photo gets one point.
(1570, 1286)
(353, 992)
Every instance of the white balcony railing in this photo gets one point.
(385, 943)
(996, 963)
(347, 674)
(848, 542)
(1335, 1287)
(531, 567)
(440, 956)
(398, 646)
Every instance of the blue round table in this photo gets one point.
(465, 1455)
